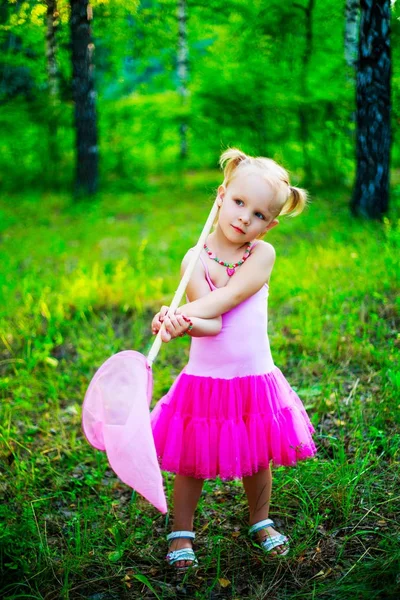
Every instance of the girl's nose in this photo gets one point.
(245, 218)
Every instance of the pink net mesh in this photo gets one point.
(116, 419)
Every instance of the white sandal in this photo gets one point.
(271, 541)
(183, 553)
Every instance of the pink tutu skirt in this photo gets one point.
(206, 427)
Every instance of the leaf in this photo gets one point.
(322, 574)
(115, 555)
(50, 360)
(319, 574)
(143, 579)
(224, 582)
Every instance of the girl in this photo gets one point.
(231, 412)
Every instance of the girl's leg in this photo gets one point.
(258, 491)
(187, 492)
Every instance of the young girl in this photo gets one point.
(231, 412)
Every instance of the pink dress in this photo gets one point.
(231, 411)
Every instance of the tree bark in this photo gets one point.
(86, 177)
(352, 19)
(182, 71)
(51, 26)
(371, 192)
(304, 129)
(53, 87)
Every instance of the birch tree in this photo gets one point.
(53, 83)
(303, 109)
(51, 26)
(182, 72)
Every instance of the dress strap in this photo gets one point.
(206, 271)
(253, 246)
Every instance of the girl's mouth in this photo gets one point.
(237, 229)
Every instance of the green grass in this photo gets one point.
(81, 282)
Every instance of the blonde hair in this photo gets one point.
(290, 200)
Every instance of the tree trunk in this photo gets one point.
(182, 71)
(53, 87)
(371, 192)
(351, 38)
(304, 129)
(352, 19)
(84, 95)
(51, 26)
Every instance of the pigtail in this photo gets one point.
(230, 160)
(295, 203)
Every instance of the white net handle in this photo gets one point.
(185, 279)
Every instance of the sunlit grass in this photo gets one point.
(79, 283)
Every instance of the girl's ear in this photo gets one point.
(221, 194)
(273, 224)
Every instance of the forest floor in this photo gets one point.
(81, 282)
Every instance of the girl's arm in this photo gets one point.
(197, 288)
(250, 278)
(176, 326)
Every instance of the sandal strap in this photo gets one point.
(260, 525)
(181, 534)
(183, 554)
(272, 542)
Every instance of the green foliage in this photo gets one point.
(251, 83)
(153, 120)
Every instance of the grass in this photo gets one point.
(81, 282)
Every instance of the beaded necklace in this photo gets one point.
(230, 267)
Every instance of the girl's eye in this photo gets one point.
(260, 215)
(239, 202)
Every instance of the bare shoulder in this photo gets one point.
(186, 258)
(197, 286)
(264, 252)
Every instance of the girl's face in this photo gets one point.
(247, 208)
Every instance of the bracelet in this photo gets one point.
(190, 325)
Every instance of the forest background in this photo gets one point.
(268, 76)
(82, 276)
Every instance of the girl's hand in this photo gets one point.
(174, 326)
(158, 319)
